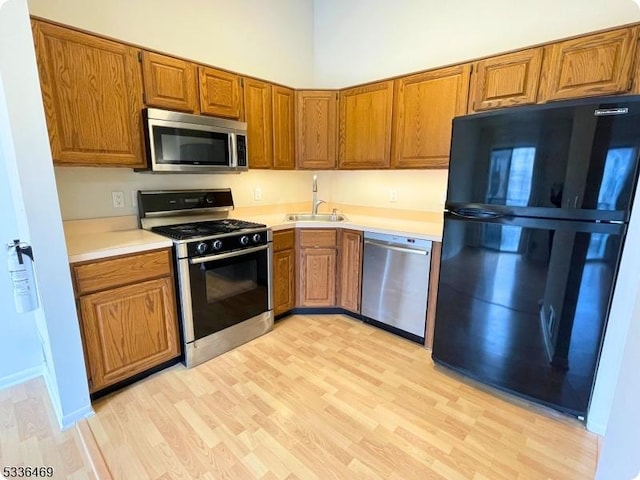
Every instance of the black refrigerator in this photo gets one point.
(537, 207)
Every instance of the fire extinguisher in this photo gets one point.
(21, 275)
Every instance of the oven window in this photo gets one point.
(175, 146)
(227, 292)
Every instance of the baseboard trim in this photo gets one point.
(21, 377)
(73, 418)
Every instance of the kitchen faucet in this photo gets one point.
(315, 203)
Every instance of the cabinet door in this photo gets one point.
(424, 107)
(365, 126)
(129, 330)
(317, 281)
(592, 65)
(169, 82)
(316, 129)
(219, 93)
(283, 128)
(92, 95)
(257, 104)
(350, 274)
(506, 80)
(284, 291)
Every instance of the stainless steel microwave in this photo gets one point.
(182, 142)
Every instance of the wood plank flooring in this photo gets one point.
(30, 436)
(327, 397)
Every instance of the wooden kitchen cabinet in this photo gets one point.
(258, 115)
(283, 103)
(599, 64)
(317, 259)
(92, 95)
(364, 126)
(220, 93)
(424, 107)
(350, 270)
(284, 271)
(316, 129)
(506, 80)
(127, 312)
(169, 82)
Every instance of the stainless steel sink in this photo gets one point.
(319, 217)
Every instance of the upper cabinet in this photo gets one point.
(316, 129)
(424, 106)
(364, 132)
(591, 65)
(220, 93)
(258, 115)
(92, 95)
(169, 82)
(506, 80)
(283, 102)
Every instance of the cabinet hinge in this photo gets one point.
(140, 56)
(144, 98)
(241, 82)
(90, 382)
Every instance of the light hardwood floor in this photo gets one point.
(326, 397)
(30, 436)
(319, 397)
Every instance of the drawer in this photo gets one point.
(114, 272)
(310, 238)
(284, 240)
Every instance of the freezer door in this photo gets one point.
(522, 304)
(566, 160)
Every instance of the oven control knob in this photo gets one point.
(217, 244)
(256, 237)
(244, 240)
(202, 248)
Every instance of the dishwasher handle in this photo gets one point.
(396, 248)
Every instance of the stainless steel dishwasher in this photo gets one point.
(395, 283)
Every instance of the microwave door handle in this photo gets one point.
(233, 150)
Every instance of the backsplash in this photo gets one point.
(86, 192)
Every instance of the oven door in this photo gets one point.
(220, 291)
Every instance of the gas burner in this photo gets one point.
(187, 231)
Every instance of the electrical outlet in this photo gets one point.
(257, 194)
(393, 195)
(118, 199)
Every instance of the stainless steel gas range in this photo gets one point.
(223, 269)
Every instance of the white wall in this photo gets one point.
(86, 192)
(267, 39)
(20, 353)
(620, 457)
(358, 41)
(56, 320)
(421, 190)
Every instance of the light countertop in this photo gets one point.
(93, 239)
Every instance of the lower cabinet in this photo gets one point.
(317, 259)
(284, 271)
(127, 312)
(350, 270)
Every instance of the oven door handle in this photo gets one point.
(222, 256)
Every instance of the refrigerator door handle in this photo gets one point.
(475, 213)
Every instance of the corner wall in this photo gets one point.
(57, 321)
